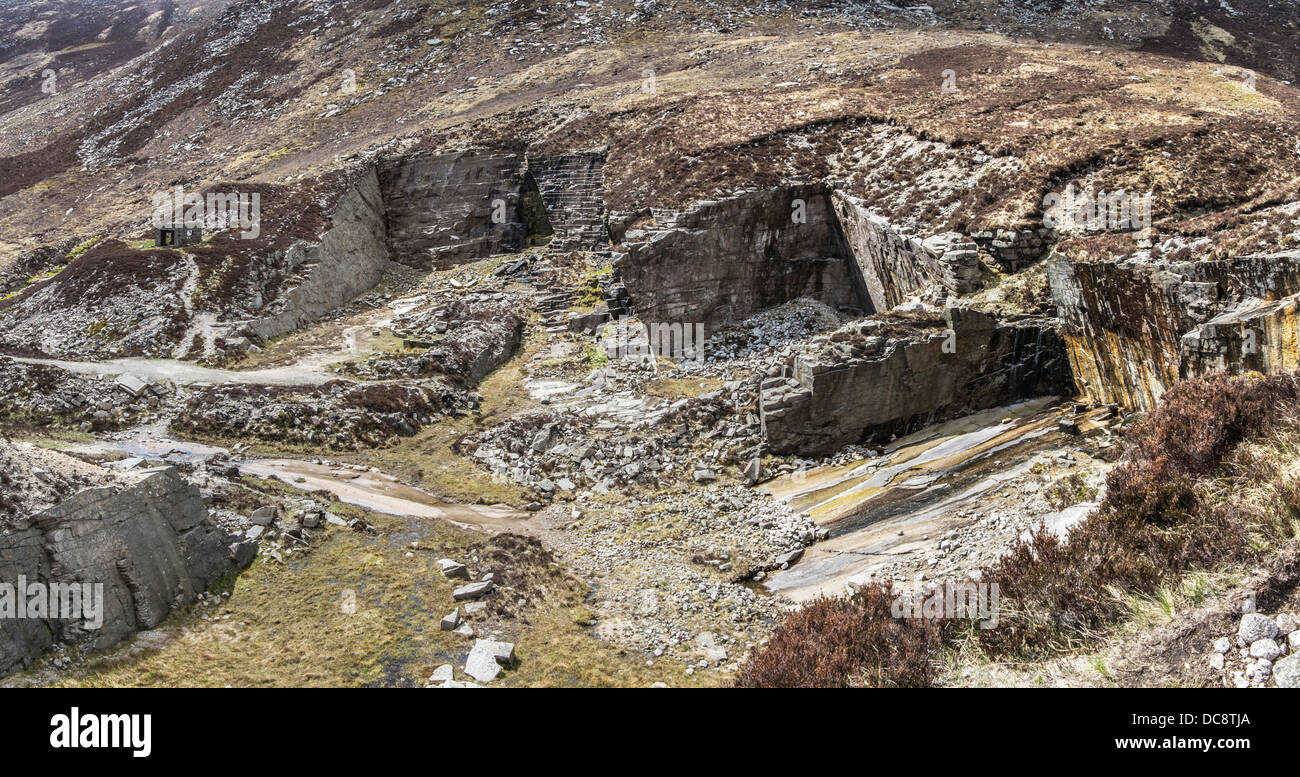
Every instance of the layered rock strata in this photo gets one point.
(146, 538)
(572, 188)
(873, 379)
(452, 208)
(1134, 326)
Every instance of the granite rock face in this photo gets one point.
(146, 538)
(721, 261)
(349, 259)
(1133, 327)
(449, 209)
(873, 379)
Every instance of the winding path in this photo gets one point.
(187, 372)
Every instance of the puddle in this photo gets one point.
(372, 490)
(186, 372)
(384, 494)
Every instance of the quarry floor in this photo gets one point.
(636, 606)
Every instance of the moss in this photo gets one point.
(589, 290)
(595, 356)
(82, 248)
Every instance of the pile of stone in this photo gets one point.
(605, 445)
(677, 565)
(759, 335)
(1265, 651)
(337, 415)
(33, 479)
(463, 338)
(42, 394)
(280, 529)
(113, 301)
(1014, 250)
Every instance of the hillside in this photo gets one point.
(622, 330)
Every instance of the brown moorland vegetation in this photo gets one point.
(1153, 525)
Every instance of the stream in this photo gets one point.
(361, 487)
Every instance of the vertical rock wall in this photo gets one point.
(721, 261)
(440, 207)
(1124, 321)
(349, 259)
(892, 267)
(1255, 335)
(873, 379)
(572, 187)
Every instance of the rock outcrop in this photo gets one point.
(449, 209)
(1259, 335)
(873, 379)
(1134, 326)
(146, 538)
(349, 259)
(719, 262)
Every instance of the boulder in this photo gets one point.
(453, 569)
(1255, 626)
(263, 516)
(474, 590)
(1286, 673)
(442, 674)
(1266, 649)
(451, 621)
(487, 658)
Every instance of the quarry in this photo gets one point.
(540, 371)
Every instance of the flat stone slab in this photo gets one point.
(452, 568)
(263, 516)
(474, 590)
(487, 657)
(442, 674)
(131, 384)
